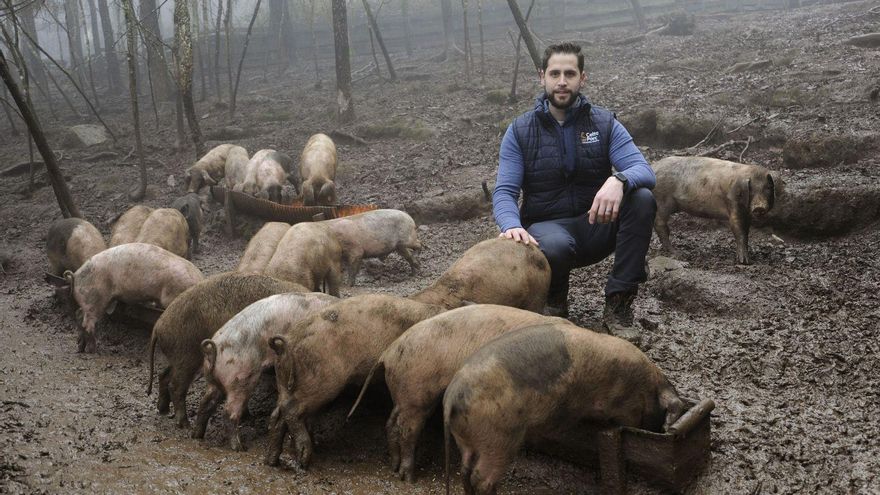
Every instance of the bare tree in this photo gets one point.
(149, 24)
(227, 26)
(374, 26)
(113, 82)
(468, 54)
(26, 19)
(314, 42)
(93, 18)
(74, 38)
(482, 42)
(247, 39)
(404, 10)
(62, 193)
(217, 51)
(183, 52)
(448, 37)
(131, 57)
(525, 33)
(345, 105)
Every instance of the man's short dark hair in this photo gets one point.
(564, 47)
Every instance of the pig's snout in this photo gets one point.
(759, 211)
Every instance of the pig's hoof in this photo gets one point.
(236, 445)
(182, 421)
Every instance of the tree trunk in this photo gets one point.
(518, 44)
(62, 194)
(89, 58)
(448, 37)
(314, 42)
(468, 55)
(74, 38)
(482, 42)
(131, 58)
(199, 54)
(276, 36)
(34, 64)
(247, 39)
(288, 40)
(227, 25)
(217, 51)
(525, 33)
(113, 82)
(375, 27)
(638, 14)
(93, 17)
(183, 51)
(12, 126)
(404, 8)
(149, 16)
(345, 105)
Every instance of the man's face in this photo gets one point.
(562, 80)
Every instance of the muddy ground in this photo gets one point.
(787, 347)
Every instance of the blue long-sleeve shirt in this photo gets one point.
(624, 155)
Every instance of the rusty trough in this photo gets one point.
(671, 460)
(237, 202)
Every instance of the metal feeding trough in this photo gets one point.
(670, 460)
(141, 313)
(295, 212)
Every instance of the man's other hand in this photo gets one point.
(606, 204)
(519, 234)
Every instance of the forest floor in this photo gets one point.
(787, 347)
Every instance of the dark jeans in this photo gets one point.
(572, 243)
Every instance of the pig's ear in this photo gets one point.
(209, 349)
(278, 344)
(184, 208)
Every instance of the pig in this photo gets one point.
(421, 362)
(309, 255)
(495, 271)
(261, 247)
(128, 227)
(238, 353)
(190, 206)
(712, 188)
(375, 234)
(235, 167)
(194, 317)
(317, 169)
(264, 175)
(209, 170)
(133, 272)
(70, 243)
(168, 229)
(318, 356)
(530, 382)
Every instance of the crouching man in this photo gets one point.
(586, 189)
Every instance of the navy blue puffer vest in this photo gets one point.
(549, 190)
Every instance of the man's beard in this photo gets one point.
(572, 97)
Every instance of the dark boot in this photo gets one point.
(557, 305)
(618, 316)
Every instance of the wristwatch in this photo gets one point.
(622, 178)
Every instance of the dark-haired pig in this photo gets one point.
(261, 247)
(310, 255)
(712, 188)
(190, 206)
(168, 229)
(194, 317)
(238, 353)
(128, 226)
(375, 234)
(493, 272)
(421, 362)
(70, 243)
(236, 166)
(323, 353)
(131, 273)
(317, 169)
(530, 382)
(208, 170)
(264, 175)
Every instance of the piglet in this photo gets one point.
(70, 243)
